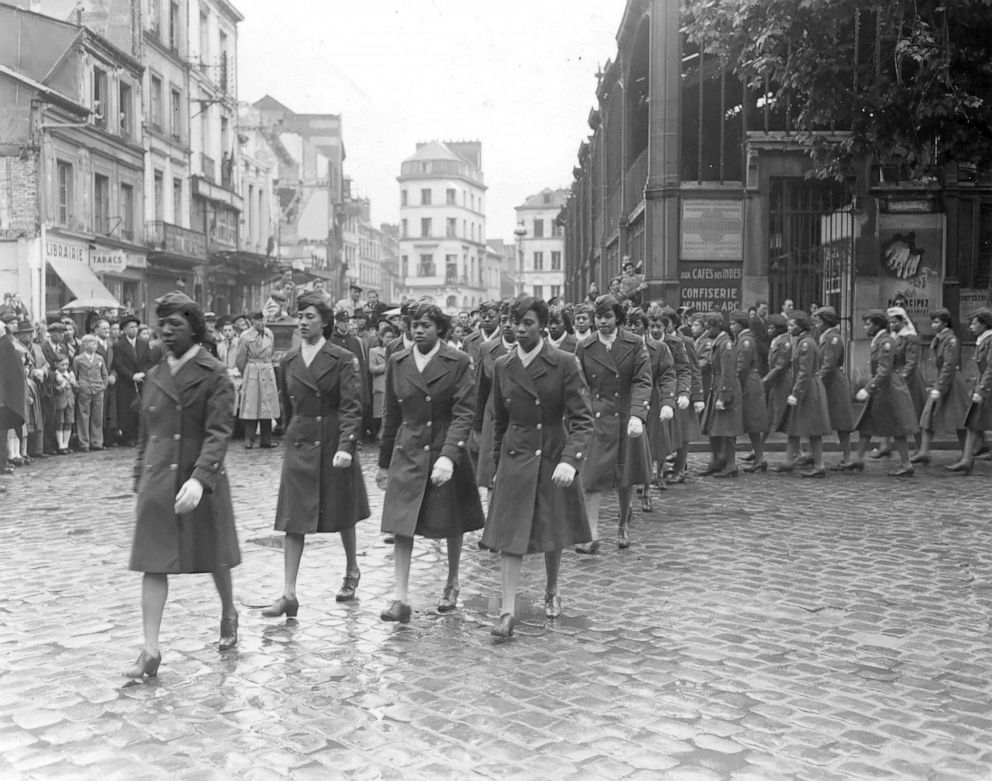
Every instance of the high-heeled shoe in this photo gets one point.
(282, 606)
(711, 469)
(348, 587)
(228, 633)
(757, 466)
(646, 501)
(902, 471)
(820, 473)
(730, 471)
(784, 469)
(397, 611)
(146, 666)
(920, 458)
(623, 536)
(853, 466)
(961, 467)
(503, 627)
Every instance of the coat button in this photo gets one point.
(461, 444)
(617, 394)
(179, 408)
(173, 467)
(579, 454)
(427, 398)
(597, 414)
(320, 418)
(539, 426)
(177, 437)
(537, 452)
(428, 424)
(617, 376)
(427, 447)
(316, 444)
(537, 402)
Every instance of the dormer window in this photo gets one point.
(100, 104)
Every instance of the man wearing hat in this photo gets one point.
(35, 371)
(11, 387)
(211, 338)
(53, 348)
(353, 300)
(130, 360)
(374, 308)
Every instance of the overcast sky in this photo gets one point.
(517, 75)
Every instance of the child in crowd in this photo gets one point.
(64, 398)
(91, 380)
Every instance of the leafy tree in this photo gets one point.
(910, 81)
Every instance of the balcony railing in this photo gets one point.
(209, 166)
(166, 237)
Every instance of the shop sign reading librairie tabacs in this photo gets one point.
(712, 229)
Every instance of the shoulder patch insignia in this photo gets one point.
(805, 347)
(887, 346)
(952, 341)
(729, 346)
(835, 340)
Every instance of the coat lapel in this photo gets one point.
(596, 351)
(165, 381)
(193, 372)
(296, 367)
(438, 366)
(408, 366)
(322, 363)
(539, 366)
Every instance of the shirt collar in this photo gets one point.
(608, 340)
(422, 359)
(175, 364)
(984, 336)
(508, 346)
(526, 357)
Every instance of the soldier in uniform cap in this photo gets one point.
(888, 410)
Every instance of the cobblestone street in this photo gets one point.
(760, 628)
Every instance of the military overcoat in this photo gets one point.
(831, 374)
(946, 414)
(810, 417)
(619, 382)
(889, 410)
(979, 417)
(322, 414)
(429, 415)
(778, 381)
(724, 387)
(489, 351)
(542, 417)
(907, 363)
(186, 423)
(662, 438)
(754, 408)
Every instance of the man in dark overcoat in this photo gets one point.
(131, 360)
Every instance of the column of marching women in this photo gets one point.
(544, 407)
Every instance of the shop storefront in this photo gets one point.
(70, 280)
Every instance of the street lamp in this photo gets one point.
(520, 231)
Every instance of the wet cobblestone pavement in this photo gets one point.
(759, 628)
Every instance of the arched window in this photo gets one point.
(451, 302)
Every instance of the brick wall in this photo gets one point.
(18, 197)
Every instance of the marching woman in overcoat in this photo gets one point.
(754, 406)
(979, 417)
(321, 489)
(806, 412)
(663, 431)
(489, 351)
(947, 400)
(835, 384)
(907, 361)
(185, 522)
(654, 446)
(618, 371)
(690, 403)
(424, 465)
(888, 410)
(542, 425)
(778, 381)
(723, 418)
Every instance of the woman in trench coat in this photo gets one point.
(321, 489)
(185, 522)
(617, 369)
(979, 416)
(259, 392)
(424, 466)
(542, 424)
(888, 410)
(807, 415)
(723, 419)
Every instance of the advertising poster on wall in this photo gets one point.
(712, 229)
(713, 286)
(912, 268)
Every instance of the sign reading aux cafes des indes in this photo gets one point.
(711, 267)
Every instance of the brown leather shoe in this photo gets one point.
(449, 599)
(348, 586)
(228, 633)
(398, 611)
(503, 627)
(282, 606)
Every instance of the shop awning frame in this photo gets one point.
(89, 291)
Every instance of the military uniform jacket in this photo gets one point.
(322, 414)
(753, 405)
(664, 392)
(810, 417)
(835, 384)
(485, 470)
(474, 341)
(946, 414)
(429, 415)
(684, 427)
(620, 385)
(186, 423)
(542, 417)
(889, 410)
(979, 417)
(778, 381)
(725, 387)
(907, 363)
(568, 343)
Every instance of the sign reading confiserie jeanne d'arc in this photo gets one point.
(711, 287)
(712, 229)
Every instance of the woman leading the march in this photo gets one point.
(321, 489)
(185, 522)
(424, 466)
(542, 424)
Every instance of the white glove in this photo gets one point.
(683, 402)
(382, 478)
(112, 379)
(563, 475)
(444, 468)
(634, 427)
(189, 496)
(698, 407)
(792, 401)
(3, 328)
(342, 460)
(720, 405)
(138, 377)
(935, 394)
(667, 413)
(861, 395)
(976, 398)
